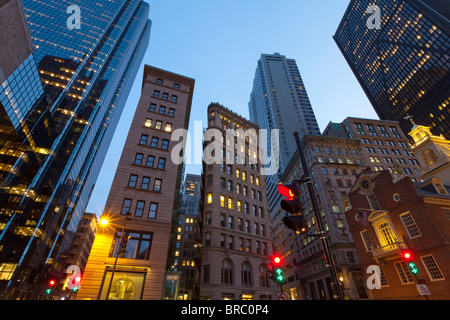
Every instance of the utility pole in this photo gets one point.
(337, 292)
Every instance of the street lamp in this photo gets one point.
(104, 222)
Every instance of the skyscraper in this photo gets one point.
(279, 101)
(132, 253)
(59, 110)
(403, 63)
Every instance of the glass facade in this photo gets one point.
(58, 113)
(403, 66)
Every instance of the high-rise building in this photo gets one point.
(333, 164)
(133, 251)
(235, 223)
(59, 105)
(279, 101)
(190, 199)
(384, 145)
(399, 54)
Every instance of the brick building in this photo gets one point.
(146, 186)
(391, 214)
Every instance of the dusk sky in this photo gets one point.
(218, 43)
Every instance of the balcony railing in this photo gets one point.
(389, 250)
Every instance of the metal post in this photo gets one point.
(117, 255)
(337, 292)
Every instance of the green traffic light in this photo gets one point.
(279, 273)
(412, 267)
(48, 291)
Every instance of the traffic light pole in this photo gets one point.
(337, 292)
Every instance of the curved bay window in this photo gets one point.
(227, 272)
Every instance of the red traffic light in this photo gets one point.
(276, 259)
(287, 190)
(407, 255)
(52, 282)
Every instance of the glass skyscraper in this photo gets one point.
(403, 64)
(59, 110)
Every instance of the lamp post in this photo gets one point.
(104, 222)
(337, 292)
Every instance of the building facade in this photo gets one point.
(334, 164)
(391, 215)
(59, 110)
(134, 250)
(235, 224)
(385, 146)
(402, 64)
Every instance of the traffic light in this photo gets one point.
(292, 203)
(277, 274)
(77, 283)
(297, 223)
(50, 285)
(408, 257)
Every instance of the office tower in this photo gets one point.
(190, 199)
(235, 221)
(385, 146)
(403, 63)
(333, 164)
(279, 101)
(405, 217)
(130, 252)
(60, 109)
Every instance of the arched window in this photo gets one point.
(429, 157)
(264, 276)
(227, 272)
(246, 274)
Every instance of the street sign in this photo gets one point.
(423, 289)
(283, 296)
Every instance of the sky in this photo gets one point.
(218, 43)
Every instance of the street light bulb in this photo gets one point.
(103, 222)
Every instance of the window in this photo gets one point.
(432, 268)
(367, 240)
(165, 96)
(246, 274)
(171, 112)
(139, 208)
(156, 94)
(152, 107)
(143, 140)
(403, 272)
(162, 110)
(157, 185)
(126, 206)
(174, 99)
(222, 201)
(159, 81)
(230, 203)
(150, 161)
(155, 141)
(373, 202)
(158, 125)
(410, 225)
(209, 198)
(168, 127)
(227, 272)
(153, 210)
(165, 144)
(148, 123)
(138, 159)
(145, 183)
(132, 181)
(264, 278)
(136, 246)
(162, 163)
(176, 86)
